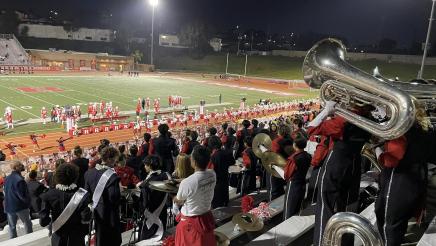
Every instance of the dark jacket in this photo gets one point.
(75, 228)
(107, 212)
(151, 200)
(166, 149)
(16, 194)
(83, 165)
(35, 190)
(135, 162)
(221, 160)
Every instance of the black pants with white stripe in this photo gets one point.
(401, 193)
(338, 187)
(294, 195)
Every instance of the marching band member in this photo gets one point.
(240, 136)
(340, 174)
(403, 180)
(196, 223)
(281, 145)
(153, 201)
(104, 186)
(9, 118)
(190, 142)
(44, 115)
(220, 161)
(295, 176)
(249, 161)
(165, 147)
(66, 207)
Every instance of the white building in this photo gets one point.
(168, 40)
(59, 32)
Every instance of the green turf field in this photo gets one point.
(281, 67)
(121, 91)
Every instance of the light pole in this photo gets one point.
(153, 4)
(427, 40)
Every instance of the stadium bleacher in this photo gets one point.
(11, 51)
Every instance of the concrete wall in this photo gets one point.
(411, 59)
(58, 32)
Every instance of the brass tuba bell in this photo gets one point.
(325, 68)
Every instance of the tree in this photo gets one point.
(195, 35)
(9, 22)
(137, 56)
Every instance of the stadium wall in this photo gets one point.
(80, 61)
(59, 32)
(409, 59)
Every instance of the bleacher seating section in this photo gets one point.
(11, 51)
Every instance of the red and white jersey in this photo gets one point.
(147, 102)
(43, 113)
(156, 103)
(8, 117)
(90, 108)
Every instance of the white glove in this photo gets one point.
(329, 109)
(378, 152)
(330, 106)
(175, 209)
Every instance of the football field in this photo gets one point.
(26, 95)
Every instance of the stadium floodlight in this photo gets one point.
(153, 3)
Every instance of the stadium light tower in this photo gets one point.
(153, 4)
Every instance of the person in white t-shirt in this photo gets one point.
(196, 223)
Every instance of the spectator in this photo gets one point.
(17, 200)
(191, 142)
(127, 175)
(134, 161)
(143, 152)
(35, 190)
(54, 202)
(3, 217)
(81, 163)
(183, 166)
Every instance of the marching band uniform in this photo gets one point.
(106, 214)
(340, 174)
(75, 228)
(165, 147)
(220, 160)
(152, 200)
(276, 185)
(403, 182)
(295, 176)
(249, 160)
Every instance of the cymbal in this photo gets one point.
(247, 222)
(261, 139)
(270, 158)
(167, 186)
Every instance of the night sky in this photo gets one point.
(360, 21)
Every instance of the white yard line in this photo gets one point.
(17, 107)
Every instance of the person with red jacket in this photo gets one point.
(249, 161)
(403, 180)
(340, 173)
(281, 145)
(126, 174)
(295, 176)
(190, 142)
